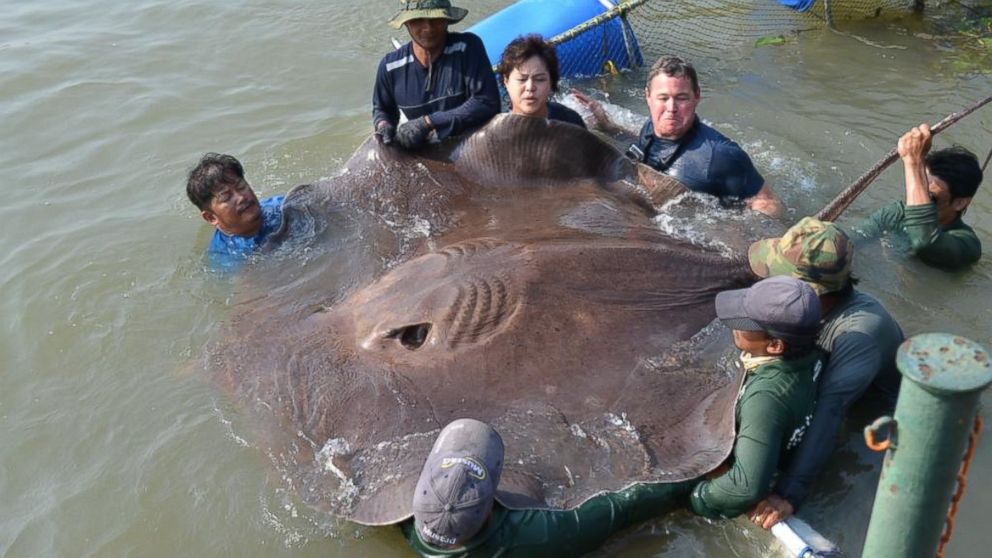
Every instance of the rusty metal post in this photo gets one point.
(943, 376)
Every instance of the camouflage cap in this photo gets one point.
(427, 9)
(814, 251)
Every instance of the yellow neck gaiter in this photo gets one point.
(751, 362)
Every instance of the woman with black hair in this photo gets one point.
(529, 67)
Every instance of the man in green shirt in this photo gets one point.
(939, 187)
(858, 335)
(775, 324)
(455, 512)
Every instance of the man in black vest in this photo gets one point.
(676, 142)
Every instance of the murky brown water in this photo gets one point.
(110, 442)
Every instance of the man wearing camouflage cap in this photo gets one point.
(441, 83)
(858, 334)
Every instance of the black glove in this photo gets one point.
(413, 134)
(386, 133)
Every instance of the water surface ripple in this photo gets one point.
(111, 443)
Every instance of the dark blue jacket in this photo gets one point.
(458, 90)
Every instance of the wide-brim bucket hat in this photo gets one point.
(427, 9)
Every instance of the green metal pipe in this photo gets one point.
(943, 376)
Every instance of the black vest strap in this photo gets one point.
(639, 154)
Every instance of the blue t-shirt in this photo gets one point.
(231, 250)
(704, 160)
(458, 91)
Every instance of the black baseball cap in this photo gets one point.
(783, 307)
(457, 485)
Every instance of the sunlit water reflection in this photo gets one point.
(113, 445)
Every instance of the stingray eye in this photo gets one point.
(411, 336)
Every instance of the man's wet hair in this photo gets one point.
(213, 170)
(673, 66)
(958, 167)
(522, 49)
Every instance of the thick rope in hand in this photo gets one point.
(833, 209)
(976, 431)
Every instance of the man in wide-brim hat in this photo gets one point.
(439, 84)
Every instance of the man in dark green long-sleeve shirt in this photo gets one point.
(455, 512)
(540, 533)
(775, 324)
(939, 187)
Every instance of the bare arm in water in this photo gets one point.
(600, 119)
(766, 201)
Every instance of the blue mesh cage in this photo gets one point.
(586, 54)
(594, 39)
(595, 50)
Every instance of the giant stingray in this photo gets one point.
(518, 276)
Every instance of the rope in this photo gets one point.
(976, 431)
(618, 10)
(986, 163)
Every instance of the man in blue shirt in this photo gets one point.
(674, 140)
(441, 82)
(218, 188)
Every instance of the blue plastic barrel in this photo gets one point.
(587, 54)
